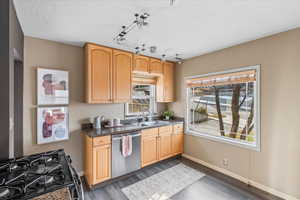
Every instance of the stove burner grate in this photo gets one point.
(4, 192)
(34, 175)
(54, 176)
(7, 192)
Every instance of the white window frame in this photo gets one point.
(256, 120)
(153, 104)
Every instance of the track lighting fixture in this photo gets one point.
(140, 19)
(178, 59)
(140, 22)
(172, 2)
(137, 50)
(140, 49)
(143, 47)
(153, 49)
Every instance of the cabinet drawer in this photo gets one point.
(165, 130)
(178, 128)
(153, 132)
(101, 140)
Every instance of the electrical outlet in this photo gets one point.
(225, 162)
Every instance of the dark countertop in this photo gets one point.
(127, 128)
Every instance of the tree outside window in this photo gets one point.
(223, 106)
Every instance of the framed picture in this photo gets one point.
(52, 124)
(52, 87)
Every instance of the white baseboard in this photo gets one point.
(241, 178)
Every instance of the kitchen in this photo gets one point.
(137, 88)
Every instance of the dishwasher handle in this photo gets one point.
(133, 136)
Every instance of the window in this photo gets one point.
(143, 100)
(225, 106)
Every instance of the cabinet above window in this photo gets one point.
(110, 74)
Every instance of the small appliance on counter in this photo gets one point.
(39, 175)
(113, 123)
(97, 122)
(117, 122)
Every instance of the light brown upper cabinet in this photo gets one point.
(165, 84)
(122, 62)
(169, 82)
(98, 74)
(141, 64)
(156, 66)
(108, 74)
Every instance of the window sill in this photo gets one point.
(139, 116)
(255, 147)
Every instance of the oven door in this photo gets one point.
(76, 190)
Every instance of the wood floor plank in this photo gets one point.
(209, 188)
(128, 181)
(115, 192)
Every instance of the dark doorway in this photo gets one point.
(18, 108)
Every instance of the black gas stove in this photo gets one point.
(35, 175)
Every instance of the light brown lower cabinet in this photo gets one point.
(161, 143)
(149, 146)
(97, 164)
(102, 163)
(156, 144)
(165, 142)
(165, 146)
(177, 143)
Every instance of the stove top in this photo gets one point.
(34, 175)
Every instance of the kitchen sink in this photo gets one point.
(153, 123)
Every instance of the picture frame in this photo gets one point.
(52, 124)
(52, 87)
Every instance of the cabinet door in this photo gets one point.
(165, 84)
(122, 62)
(149, 146)
(177, 143)
(156, 67)
(160, 89)
(165, 146)
(141, 64)
(168, 82)
(99, 75)
(101, 163)
(149, 150)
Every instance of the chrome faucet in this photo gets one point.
(141, 116)
(150, 116)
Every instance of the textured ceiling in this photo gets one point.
(190, 27)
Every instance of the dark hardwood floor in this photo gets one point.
(214, 185)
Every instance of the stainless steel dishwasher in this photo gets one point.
(123, 165)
